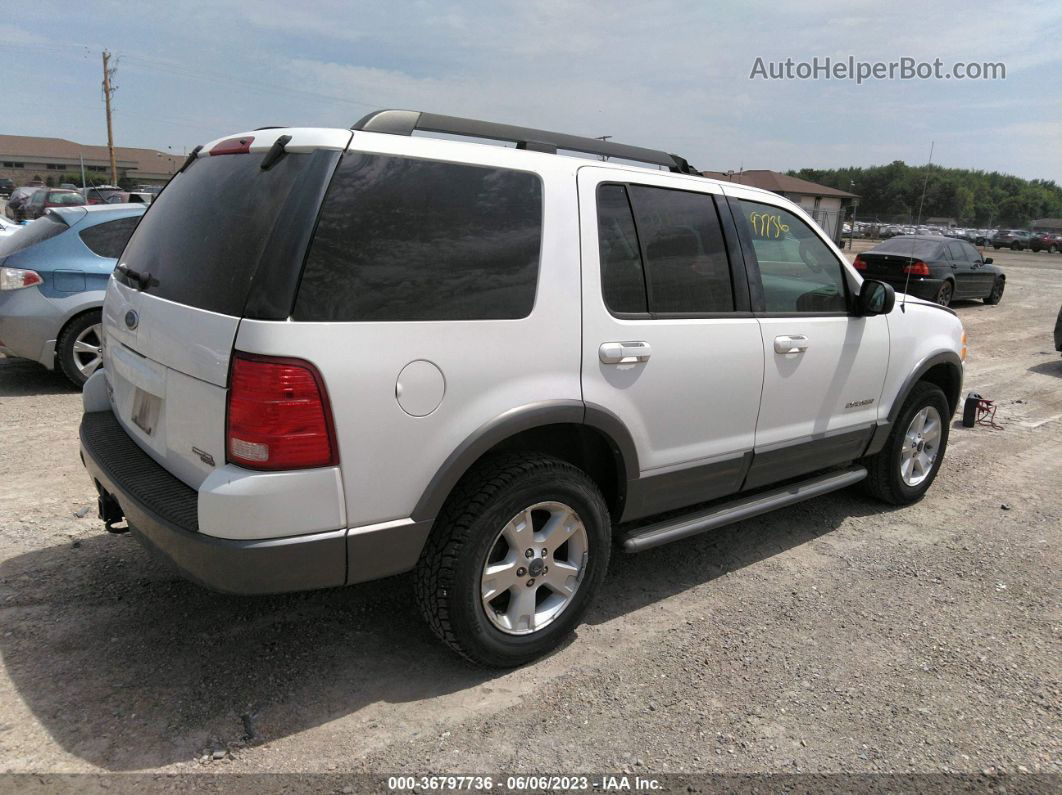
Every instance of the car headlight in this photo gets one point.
(17, 278)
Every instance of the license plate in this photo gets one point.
(145, 410)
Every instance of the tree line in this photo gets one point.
(974, 198)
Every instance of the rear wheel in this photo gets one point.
(906, 466)
(996, 295)
(944, 294)
(514, 559)
(80, 347)
(1015, 246)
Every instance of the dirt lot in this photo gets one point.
(833, 636)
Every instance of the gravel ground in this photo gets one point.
(832, 636)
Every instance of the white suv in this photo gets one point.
(337, 355)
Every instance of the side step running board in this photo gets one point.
(691, 524)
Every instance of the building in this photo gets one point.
(25, 158)
(948, 222)
(1046, 225)
(828, 206)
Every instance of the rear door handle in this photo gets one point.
(624, 352)
(790, 343)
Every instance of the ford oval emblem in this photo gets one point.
(132, 319)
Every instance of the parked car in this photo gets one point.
(934, 268)
(129, 197)
(1046, 241)
(13, 210)
(45, 199)
(331, 358)
(100, 194)
(7, 187)
(69, 186)
(53, 273)
(1017, 239)
(1058, 331)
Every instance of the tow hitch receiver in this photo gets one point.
(111, 513)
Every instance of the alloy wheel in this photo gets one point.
(534, 568)
(921, 445)
(88, 355)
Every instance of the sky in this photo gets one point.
(667, 75)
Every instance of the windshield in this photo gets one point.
(224, 219)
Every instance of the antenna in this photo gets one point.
(918, 221)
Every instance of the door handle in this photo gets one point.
(790, 343)
(624, 352)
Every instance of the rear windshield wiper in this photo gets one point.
(142, 280)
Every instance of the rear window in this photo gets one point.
(109, 238)
(65, 198)
(225, 235)
(910, 247)
(44, 228)
(401, 239)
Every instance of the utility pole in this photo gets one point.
(108, 89)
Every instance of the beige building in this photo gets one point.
(24, 158)
(828, 206)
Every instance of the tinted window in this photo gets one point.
(685, 257)
(971, 253)
(955, 252)
(224, 222)
(911, 247)
(109, 238)
(405, 239)
(798, 270)
(45, 227)
(622, 279)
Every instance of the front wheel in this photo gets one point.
(514, 559)
(996, 295)
(906, 466)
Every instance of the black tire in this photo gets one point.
(997, 248)
(945, 294)
(996, 295)
(64, 348)
(1015, 247)
(883, 479)
(447, 581)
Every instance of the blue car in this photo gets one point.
(53, 275)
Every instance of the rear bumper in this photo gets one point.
(163, 514)
(920, 287)
(29, 325)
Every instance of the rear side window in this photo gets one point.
(622, 279)
(109, 238)
(685, 257)
(401, 239)
(44, 228)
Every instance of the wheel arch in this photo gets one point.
(587, 436)
(74, 314)
(943, 369)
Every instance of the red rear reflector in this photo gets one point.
(860, 264)
(917, 268)
(233, 146)
(278, 415)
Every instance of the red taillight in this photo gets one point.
(233, 146)
(278, 415)
(860, 264)
(917, 268)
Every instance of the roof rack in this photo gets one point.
(404, 122)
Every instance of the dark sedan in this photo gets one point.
(935, 268)
(1046, 241)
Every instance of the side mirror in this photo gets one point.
(876, 298)
(988, 260)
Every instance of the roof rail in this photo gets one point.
(404, 122)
